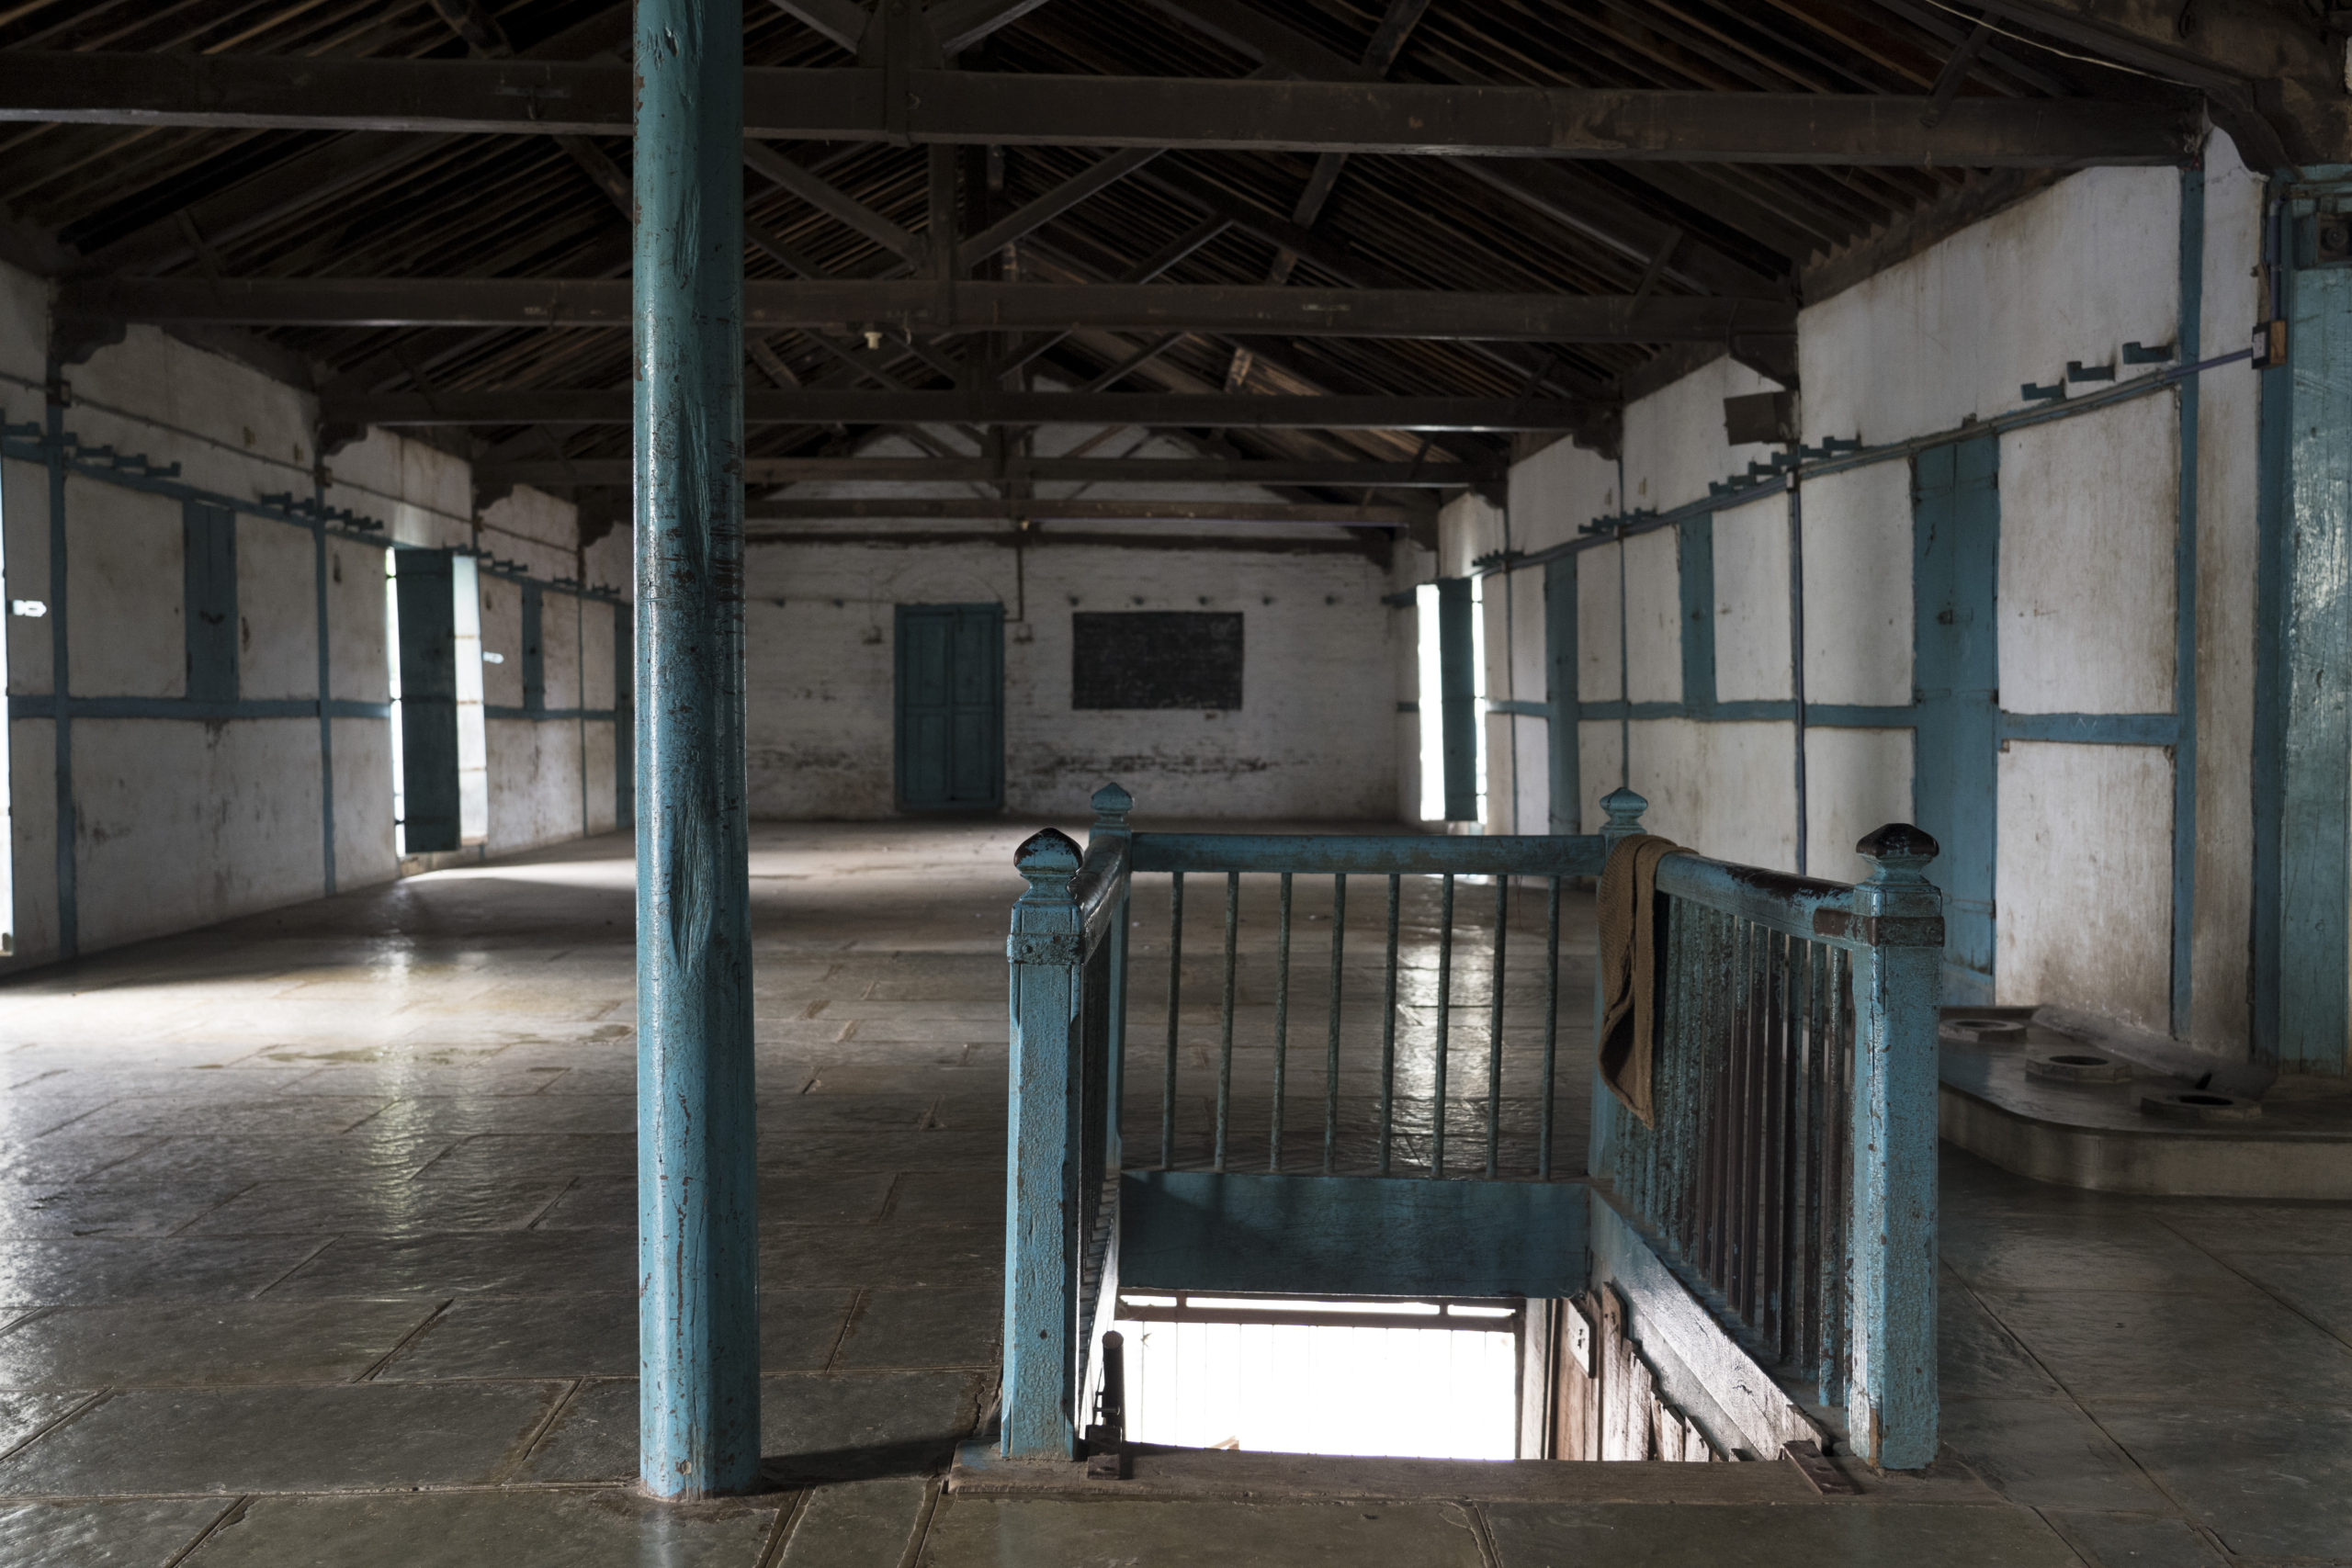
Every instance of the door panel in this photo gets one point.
(951, 706)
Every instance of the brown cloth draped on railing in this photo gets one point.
(1633, 932)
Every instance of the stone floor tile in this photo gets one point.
(140, 1532)
(449, 1118)
(2065, 1253)
(787, 1195)
(934, 1327)
(398, 1078)
(2317, 1285)
(930, 1149)
(858, 1524)
(2135, 1540)
(523, 1263)
(63, 1157)
(814, 1427)
(2262, 1228)
(541, 1156)
(595, 1337)
(100, 1269)
(382, 1208)
(791, 1112)
(2046, 1454)
(276, 1116)
(989, 1532)
(951, 1197)
(514, 1529)
(1645, 1535)
(2270, 1479)
(1975, 1356)
(23, 1414)
(89, 1209)
(209, 1161)
(205, 1345)
(376, 1435)
(904, 1077)
(901, 1256)
(2115, 1345)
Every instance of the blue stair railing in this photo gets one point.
(1795, 1095)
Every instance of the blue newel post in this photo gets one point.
(697, 1243)
(1038, 1406)
(1891, 1406)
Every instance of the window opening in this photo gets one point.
(30, 611)
(1270, 1374)
(1451, 630)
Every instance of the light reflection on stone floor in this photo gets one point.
(316, 1247)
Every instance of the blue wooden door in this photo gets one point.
(951, 707)
(1956, 538)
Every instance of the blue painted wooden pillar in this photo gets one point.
(1039, 1403)
(2304, 665)
(697, 1240)
(1890, 1407)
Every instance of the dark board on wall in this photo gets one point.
(1156, 659)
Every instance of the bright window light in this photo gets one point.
(1478, 685)
(1431, 705)
(392, 661)
(473, 739)
(1427, 1391)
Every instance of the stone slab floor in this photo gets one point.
(316, 1248)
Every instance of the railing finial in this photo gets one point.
(1112, 805)
(1625, 809)
(1049, 858)
(1898, 853)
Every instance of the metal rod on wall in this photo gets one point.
(697, 1246)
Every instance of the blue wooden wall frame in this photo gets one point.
(1934, 747)
(2190, 332)
(1694, 557)
(1565, 711)
(209, 600)
(1955, 673)
(2303, 677)
(59, 454)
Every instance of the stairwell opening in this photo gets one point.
(1406, 1379)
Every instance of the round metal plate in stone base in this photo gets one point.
(2075, 1063)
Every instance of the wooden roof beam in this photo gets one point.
(1257, 114)
(918, 306)
(1177, 410)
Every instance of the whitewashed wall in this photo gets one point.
(181, 822)
(1311, 738)
(2086, 589)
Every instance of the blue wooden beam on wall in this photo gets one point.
(699, 1321)
(2303, 692)
(2188, 337)
(1694, 543)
